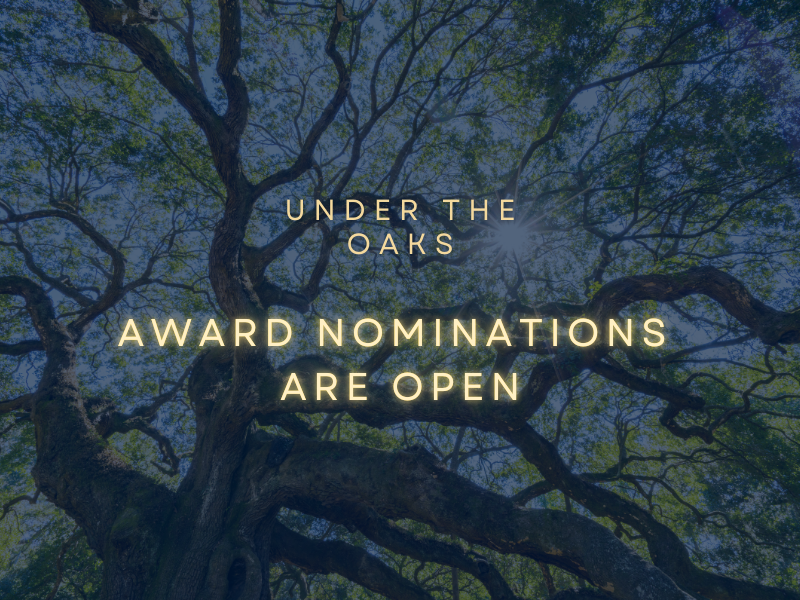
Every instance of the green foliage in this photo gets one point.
(667, 168)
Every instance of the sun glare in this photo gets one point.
(512, 237)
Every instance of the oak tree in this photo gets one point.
(148, 152)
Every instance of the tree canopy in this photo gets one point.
(651, 150)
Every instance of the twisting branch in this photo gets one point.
(230, 51)
(108, 421)
(52, 334)
(394, 538)
(304, 159)
(14, 501)
(129, 27)
(679, 398)
(355, 564)
(114, 289)
(771, 326)
(666, 549)
(411, 485)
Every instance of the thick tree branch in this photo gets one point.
(392, 537)
(230, 51)
(666, 549)
(22, 402)
(52, 334)
(411, 485)
(770, 325)
(355, 564)
(129, 27)
(681, 399)
(20, 348)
